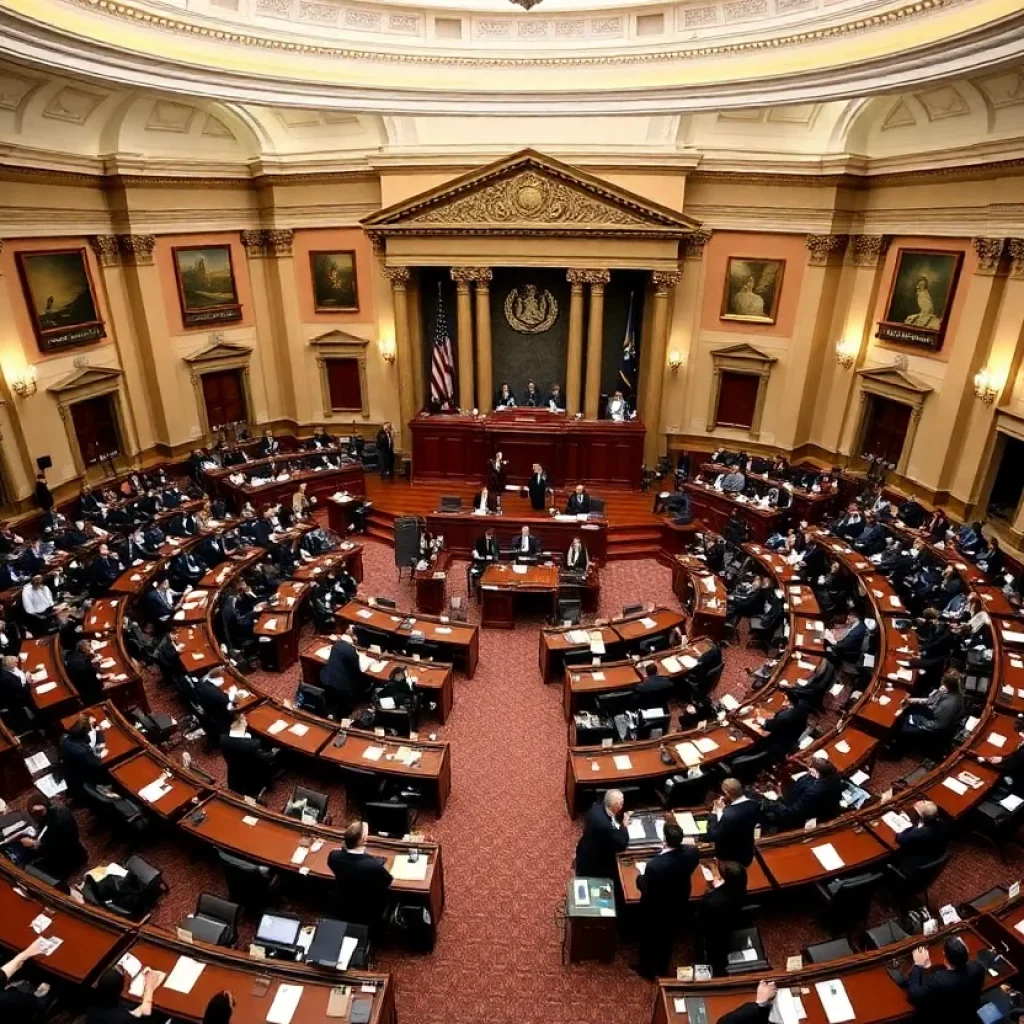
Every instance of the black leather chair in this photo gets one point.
(741, 942)
(887, 933)
(116, 811)
(680, 791)
(307, 801)
(569, 610)
(250, 885)
(848, 900)
(312, 699)
(215, 920)
(908, 885)
(362, 786)
(824, 952)
(396, 721)
(747, 767)
(146, 890)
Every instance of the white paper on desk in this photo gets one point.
(37, 762)
(45, 688)
(671, 665)
(688, 754)
(184, 975)
(577, 636)
(1012, 636)
(834, 1001)
(364, 661)
(1016, 663)
(406, 870)
(636, 830)
(300, 854)
(688, 661)
(828, 858)
(40, 923)
(843, 747)
(896, 821)
(869, 661)
(598, 677)
(196, 656)
(884, 699)
(442, 630)
(285, 1003)
(130, 965)
(1011, 802)
(597, 647)
(729, 702)
(997, 739)
(519, 569)
(708, 874)
(49, 786)
(387, 703)
(270, 624)
(250, 820)
(363, 613)
(154, 791)
(622, 762)
(905, 674)
(348, 947)
(787, 1008)
(373, 753)
(298, 729)
(647, 622)
(955, 785)
(705, 745)
(279, 726)
(180, 616)
(859, 778)
(687, 822)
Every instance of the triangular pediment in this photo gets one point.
(85, 377)
(217, 350)
(530, 192)
(742, 352)
(893, 377)
(336, 338)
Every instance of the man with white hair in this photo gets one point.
(605, 833)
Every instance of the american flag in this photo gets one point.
(442, 363)
(627, 364)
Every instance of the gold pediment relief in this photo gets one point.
(530, 192)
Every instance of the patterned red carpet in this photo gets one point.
(508, 841)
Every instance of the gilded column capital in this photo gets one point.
(106, 249)
(137, 250)
(693, 244)
(577, 278)
(254, 244)
(462, 276)
(867, 250)
(597, 279)
(1015, 246)
(990, 253)
(377, 242)
(483, 277)
(278, 241)
(665, 280)
(398, 276)
(826, 250)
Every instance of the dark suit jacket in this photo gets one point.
(215, 703)
(851, 643)
(83, 676)
(748, 1013)
(363, 884)
(250, 767)
(342, 675)
(269, 446)
(814, 798)
(785, 727)
(155, 608)
(921, 845)
(538, 491)
(733, 833)
(601, 840)
(492, 501)
(654, 686)
(517, 546)
(582, 560)
(576, 504)
(718, 914)
(941, 994)
(484, 549)
(665, 884)
(80, 764)
(60, 850)
(13, 692)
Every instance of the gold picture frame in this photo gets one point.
(752, 289)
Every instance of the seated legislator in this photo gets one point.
(269, 445)
(924, 842)
(56, 847)
(220, 1008)
(605, 833)
(497, 473)
(158, 605)
(578, 503)
(784, 730)
(14, 689)
(17, 1005)
(80, 764)
(664, 899)
(731, 482)
(816, 794)
(81, 672)
(538, 488)
(556, 400)
(757, 1012)
(933, 719)
(505, 399)
(525, 546)
(732, 823)
(485, 500)
(951, 994)
(719, 914)
(618, 408)
(532, 399)
(37, 606)
(107, 1007)
(576, 558)
(653, 687)
(363, 881)
(214, 698)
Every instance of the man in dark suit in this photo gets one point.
(576, 558)
(784, 729)
(386, 451)
(556, 400)
(80, 764)
(605, 833)
(89, 504)
(538, 488)
(757, 1012)
(731, 827)
(486, 548)
(664, 899)
(653, 687)
(342, 679)
(924, 842)
(211, 695)
(269, 445)
(951, 994)
(82, 674)
(210, 551)
(239, 616)
(363, 881)
(158, 606)
(814, 687)
(485, 500)
(56, 847)
(578, 502)
(532, 399)
(497, 473)
(816, 794)
(106, 567)
(14, 691)
(250, 765)
(525, 546)
(719, 913)
(931, 720)
(849, 646)
(871, 540)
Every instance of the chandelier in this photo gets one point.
(526, 4)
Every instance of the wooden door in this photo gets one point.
(737, 399)
(224, 396)
(96, 429)
(886, 429)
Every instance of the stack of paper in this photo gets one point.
(286, 1001)
(157, 789)
(828, 858)
(835, 1002)
(688, 754)
(184, 974)
(373, 753)
(622, 762)
(705, 745)
(410, 870)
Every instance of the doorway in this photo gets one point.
(224, 397)
(1008, 486)
(885, 429)
(96, 430)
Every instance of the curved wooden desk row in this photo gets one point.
(701, 592)
(715, 508)
(608, 640)
(459, 643)
(861, 838)
(874, 996)
(94, 940)
(243, 827)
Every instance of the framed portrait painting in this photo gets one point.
(334, 281)
(920, 297)
(60, 297)
(752, 289)
(206, 285)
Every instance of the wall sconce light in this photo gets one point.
(675, 360)
(846, 353)
(26, 385)
(387, 349)
(985, 386)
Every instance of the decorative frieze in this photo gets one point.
(826, 250)
(268, 242)
(665, 280)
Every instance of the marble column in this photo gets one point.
(597, 279)
(574, 363)
(462, 276)
(484, 373)
(664, 281)
(399, 278)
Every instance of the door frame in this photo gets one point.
(896, 385)
(212, 358)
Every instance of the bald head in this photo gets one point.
(926, 810)
(732, 789)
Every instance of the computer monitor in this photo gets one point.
(387, 819)
(278, 931)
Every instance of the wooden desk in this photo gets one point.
(53, 696)
(339, 512)
(119, 738)
(714, 508)
(234, 971)
(349, 554)
(145, 767)
(196, 648)
(431, 584)
(458, 642)
(758, 883)
(773, 563)
(278, 626)
(433, 769)
(319, 482)
(500, 585)
(462, 529)
(592, 451)
(790, 863)
(301, 733)
(703, 593)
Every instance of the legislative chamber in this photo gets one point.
(511, 511)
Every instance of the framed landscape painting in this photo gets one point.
(60, 297)
(752, 289)
(206, 285)
(921, 297)
(334, 281)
